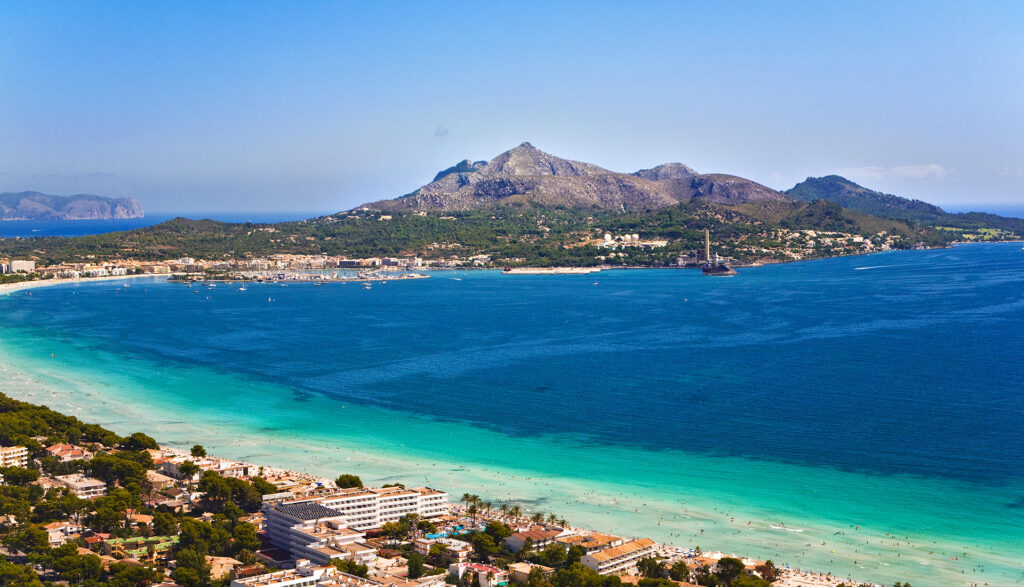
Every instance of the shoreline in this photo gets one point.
(9, 288)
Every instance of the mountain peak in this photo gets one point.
(665, 171)
(527, 160)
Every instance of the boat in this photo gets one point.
(367, 286)
(242, 288)
(319, 283)
(713, 267)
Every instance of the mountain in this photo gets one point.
(848, 194)
(527, 176)
(37, 206)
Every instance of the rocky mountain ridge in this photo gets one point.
(525, 176)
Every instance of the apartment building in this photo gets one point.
(82, 486)
(620, 558)
(13, 456)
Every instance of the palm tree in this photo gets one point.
(552, 519)
(487, 505)
(563, 522)
(504, 508)
(537, 517)
(515, 511)
(466, 498)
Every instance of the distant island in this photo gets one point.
(39, 206)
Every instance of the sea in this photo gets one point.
(862, 416)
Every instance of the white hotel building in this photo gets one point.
(367, 508)
(330, 526)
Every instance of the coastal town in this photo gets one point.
(83, 506)
(614, 251)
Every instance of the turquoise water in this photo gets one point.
(856, 415)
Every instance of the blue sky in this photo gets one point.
(322, 106)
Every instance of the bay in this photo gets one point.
(863, 414)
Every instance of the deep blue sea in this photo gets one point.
(884, 392)
(30, 228)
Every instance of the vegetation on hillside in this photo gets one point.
(521, 235)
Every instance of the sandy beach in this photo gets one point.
(9, 288)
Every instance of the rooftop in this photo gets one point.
(306, 511)
(622, 550)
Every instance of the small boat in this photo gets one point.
(270, 299)
(242, 288)
(367, 286)
(319, 283)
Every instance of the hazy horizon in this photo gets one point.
(318, 106)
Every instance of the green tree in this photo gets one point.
(578, 575)
(650, 567)
(749, 581)
(573, 555)
(263, 486)
(164, 524)
(18, 475)
(415, 564)
(553, 555)
(498, 531)
(729, 569)
(537, 578)
(679, 571)
(12, 575)
(484, 544)
(191, 569)
(188, 469)
(659, 582)
(350, 567)
(139, 441)
(245, 537)
(347, 480)
(198, 451)
(28, 539)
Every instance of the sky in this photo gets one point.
(321, 106)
